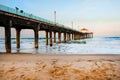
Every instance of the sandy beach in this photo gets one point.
(59, 67)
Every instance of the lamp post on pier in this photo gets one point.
(54, 26)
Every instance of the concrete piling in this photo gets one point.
(36, 37)
(8, 36)
(59, 37)
(18, 38)
(50, 38)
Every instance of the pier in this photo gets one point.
(18, 19)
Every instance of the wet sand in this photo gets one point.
(59, 67)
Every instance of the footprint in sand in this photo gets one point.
(54, 61)
(10, 70)
(40, 66)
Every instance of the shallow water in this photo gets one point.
(96, 45)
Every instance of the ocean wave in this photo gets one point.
(78, 41)
(113, 37)
(103, 45)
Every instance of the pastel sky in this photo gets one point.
(100, 16)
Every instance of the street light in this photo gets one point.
(72, 25)
(55, 17)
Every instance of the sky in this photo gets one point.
(102, 17)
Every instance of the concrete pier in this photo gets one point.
(59, 37)
(75, 36)
(65, 37)
(18, 38)
(8, 36)
(51, 38)
(46, 37)
(36, 37)
(69, 36)
(10, 18)
(54, 37)
(72, 36)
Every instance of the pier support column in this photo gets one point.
(79, 36)
(54, 37)
(92, 35)
(18, 38)
(59, 37)
(72, 36)
(50, 38)
(8, 36)
(87, 35)
(46, 37)
(75, 36)
(65, 38)
(36, 37)
(69, 36)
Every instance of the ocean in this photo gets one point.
(96, 45)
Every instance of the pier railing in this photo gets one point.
(24, 14)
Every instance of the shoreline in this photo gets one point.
(83, 54)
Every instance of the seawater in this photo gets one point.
(96, 45)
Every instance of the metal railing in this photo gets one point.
(24, 14)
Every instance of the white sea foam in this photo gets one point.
(96, 45)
